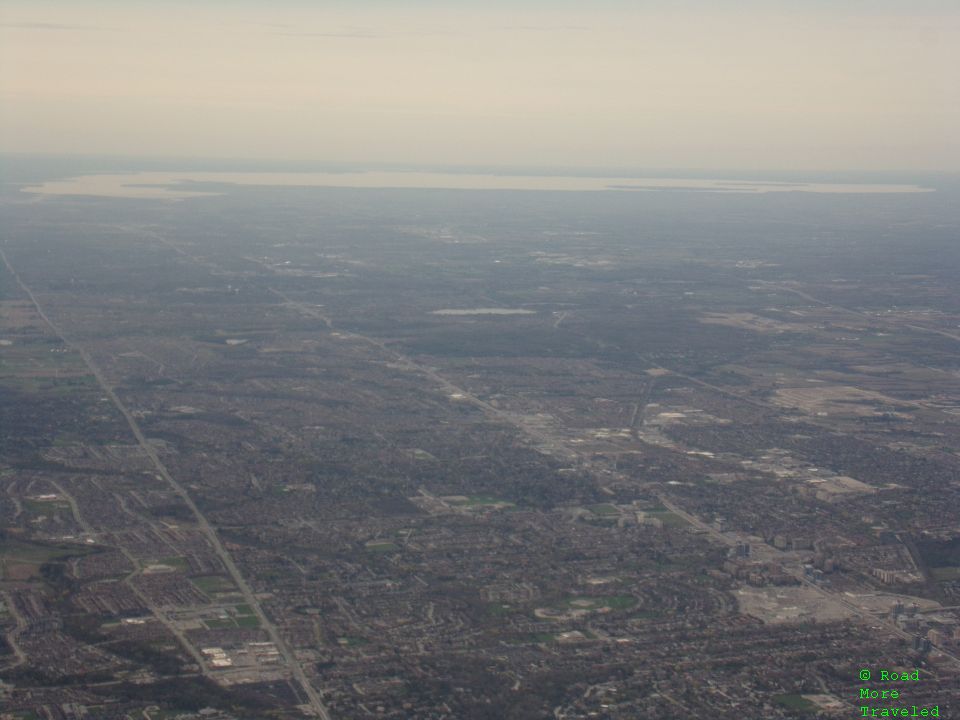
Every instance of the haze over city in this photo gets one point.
(462, 360)
(742, 84)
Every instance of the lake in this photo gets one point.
(168, 185)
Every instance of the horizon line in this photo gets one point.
(458, 168)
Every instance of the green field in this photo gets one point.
(612, 602)
(418, 454)
(384, 546)
(45, 384)
(161, 714)
(36, 361)
(351, 641)
(219, 623)
(180, 563)
(30, 552)
(544, 637)
(239, 616)
(23, 560)
(604, 509)
(213, 584)
(668, 518)
(44, 507)
(481, 501)
(945, 574)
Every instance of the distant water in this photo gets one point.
(177, 185)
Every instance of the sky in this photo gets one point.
(710, 84)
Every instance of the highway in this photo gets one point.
(290, 659)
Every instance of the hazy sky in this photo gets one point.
(733, 84)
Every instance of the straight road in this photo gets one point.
(290, 658)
